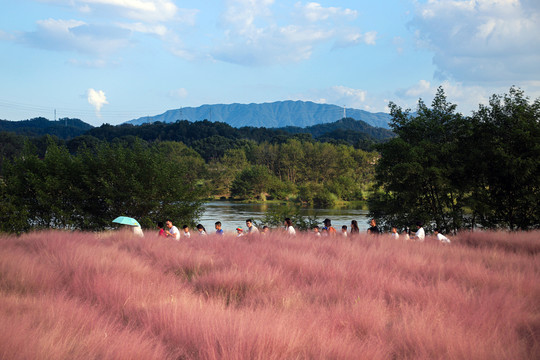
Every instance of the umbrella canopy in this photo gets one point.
(124, 220)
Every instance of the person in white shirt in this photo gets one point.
(420, 233)
(201, 230)
(138, 231)
(289, 229)
(317, 231)
(394, 234)
(344, 231)
(251, 229)
(441, 237)
(186, 231)
(173, 231)
(239, 232)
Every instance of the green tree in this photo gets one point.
(222, 172)
(457, 172)
(414, 168)
(505, 167)
(252, 183)
(87, 190)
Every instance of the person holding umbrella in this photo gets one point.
(131, 222)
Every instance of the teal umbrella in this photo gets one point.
(124, 220)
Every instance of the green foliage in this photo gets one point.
(506, 146)
(252, 183)
(64, 128)
(87, 190)
(11, 146)
(275, 217)
(222, 172)
(455, 172)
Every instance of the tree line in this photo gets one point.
(454, 172)
(83, 185)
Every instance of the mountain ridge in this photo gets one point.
(276, 114)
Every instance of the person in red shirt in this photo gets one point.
(161, 230)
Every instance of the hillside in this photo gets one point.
(222, 135)
(346, 124)
(63, 128)
(270, 115)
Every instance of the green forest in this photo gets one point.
(436, 166)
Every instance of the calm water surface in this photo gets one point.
(233, 215)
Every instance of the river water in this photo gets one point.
(233, 215)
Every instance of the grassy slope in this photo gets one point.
(80, 295)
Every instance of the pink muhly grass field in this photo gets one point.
(72, 295)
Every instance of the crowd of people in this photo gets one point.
(172, 232)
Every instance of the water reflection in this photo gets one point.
(233, 215)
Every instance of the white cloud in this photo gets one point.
(142, 10)
(339, 95)
(97, 99)
(466, 97)
(421, 89)
(155, 29)
(481, 40)
(254, 35)
(74, 35)
(355, 97)
(370, 37)
(347, 39)
(316, 12)
(178, 93)
(99, 35)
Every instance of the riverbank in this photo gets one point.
(354, 204)
(233, 214)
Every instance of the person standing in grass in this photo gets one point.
(161, 230)
(186, 231)
(251, 229)
(373, 230)
(420, 233)
(441, 237)
(344, 231)
(172, 231)
(328, 228)
(394, 234)
(201, 230)
(219, 230)
(239, 232)
(289, 229)
(354, 228)
(316, 231)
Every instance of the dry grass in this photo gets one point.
(85, 296)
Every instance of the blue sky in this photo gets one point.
(109, 61)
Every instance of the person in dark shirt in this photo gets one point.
(373, 230)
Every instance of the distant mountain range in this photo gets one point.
(269, 115)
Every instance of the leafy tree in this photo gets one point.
(253, 182)
(87, 190)
(414, 167)
(456, 172)
(11, 145)
(506, 166)
(222, 172)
